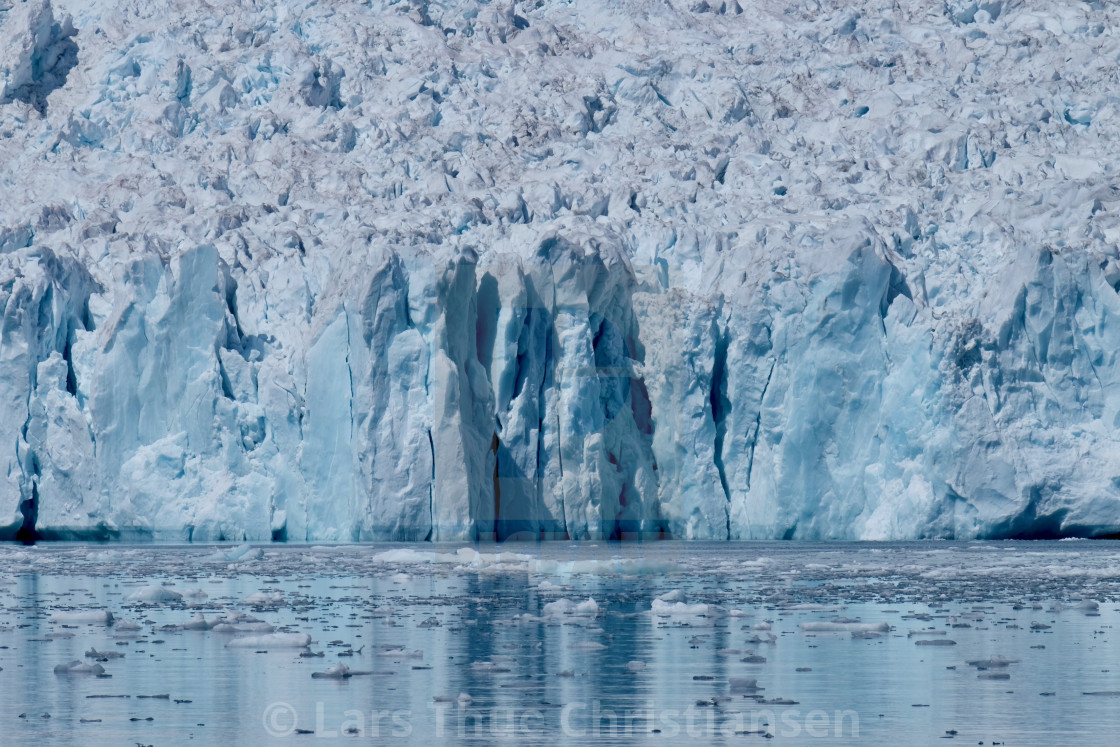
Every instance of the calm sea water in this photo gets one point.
(487, 644)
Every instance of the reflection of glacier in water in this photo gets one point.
(560, 643)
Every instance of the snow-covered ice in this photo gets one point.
(453, 270)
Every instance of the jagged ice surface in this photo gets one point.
(453, 270)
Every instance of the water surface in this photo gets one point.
(462, 647)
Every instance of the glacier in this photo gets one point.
(458, 269)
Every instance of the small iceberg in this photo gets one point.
(84, 617)
(154, 595)
(79, 667)
(272, 640)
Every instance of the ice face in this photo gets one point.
(387, 271)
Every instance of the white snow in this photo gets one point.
(466, 270)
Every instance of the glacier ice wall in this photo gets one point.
(462, 269)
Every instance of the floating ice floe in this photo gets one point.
(661, 608)
(259, 627)
(264, 599)
(338, 672)
(844, 627)
(569, 607)
(83, 617)
(198, 622)
(126, 629)
(154, 595)
(228, 622)
(994, 662)
(79, 667)
(271, 640)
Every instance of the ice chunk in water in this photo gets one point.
(263, 599)
(844, 627)
(79, 667)
(994, 662)
(154, 595)
(198, 622)
(245, 627)
(338, 672)
(662, 608)
(272, 640)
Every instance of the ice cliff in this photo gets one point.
(602, 268)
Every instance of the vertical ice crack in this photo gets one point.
(721, 407)
(758, 425)
(431, 491)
